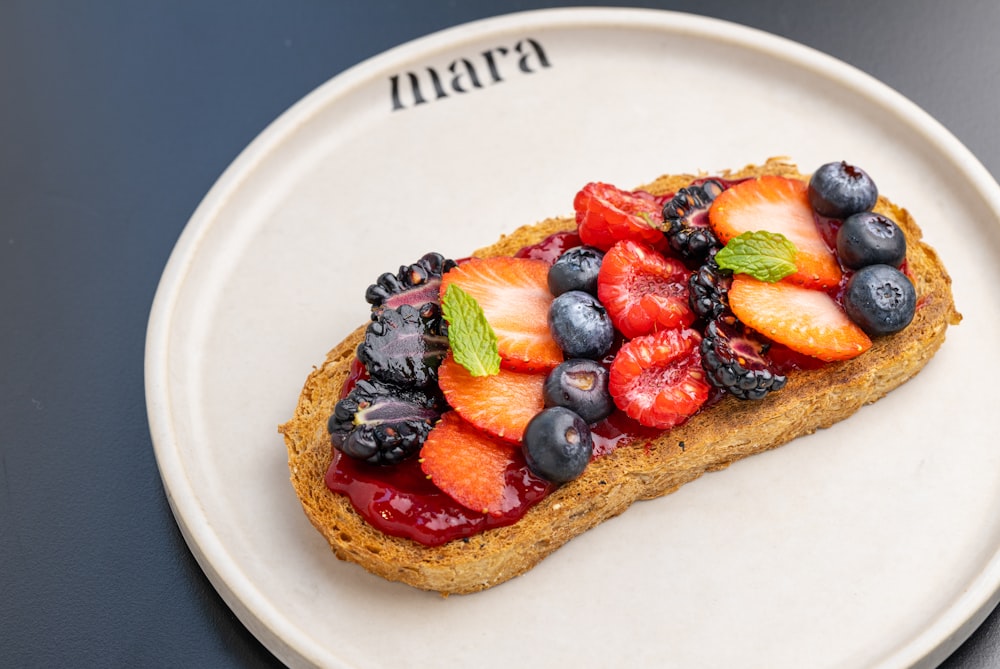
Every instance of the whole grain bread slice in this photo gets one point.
(709, 441)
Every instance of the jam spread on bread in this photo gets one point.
(482, 385)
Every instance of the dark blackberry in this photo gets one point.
(405, 345)
(708, 290)
(735, 359)
(685, 220)
(415, 284)
(382, 424)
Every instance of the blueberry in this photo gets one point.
(576, 269)
(580, 325)
(838, 190)
(557, 445)
(880, 299)
(867, 238)
(582, 386)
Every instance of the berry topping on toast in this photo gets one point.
(643, 290)
(500, 404)
(381, 423)
(685, 220)
(606, 215)
(414, 284)
(469, 466)
(778, 205)
(806, 321)
(514, 295)
(658, 379)
(405, 345)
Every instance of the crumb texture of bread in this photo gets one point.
(709, 441)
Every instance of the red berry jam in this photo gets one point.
(550, 248)
(401, 501)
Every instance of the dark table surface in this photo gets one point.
(115, 120)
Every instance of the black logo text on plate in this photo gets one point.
(463, 75)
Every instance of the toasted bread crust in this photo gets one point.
(709, 441)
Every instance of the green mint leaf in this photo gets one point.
(766, 256)
(473, 342)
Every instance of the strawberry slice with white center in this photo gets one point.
(807, 321)
(781, 205)
(515, 298)
(500, 404)
(468, 465)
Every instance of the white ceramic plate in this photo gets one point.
(874, 543)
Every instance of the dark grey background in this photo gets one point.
(115, 120)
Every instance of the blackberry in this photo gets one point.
(415, 284)
(708, 288)
(735, 359)
(405, 346)
(382, 424)
(685, 220)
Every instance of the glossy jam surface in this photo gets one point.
(400, 501)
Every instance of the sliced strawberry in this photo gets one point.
(778, 204)
(606, 214)
(643, 290)
(501, 404)
(806, 321)
(514, 294)
(467, 465)
(658, 379)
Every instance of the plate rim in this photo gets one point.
(256, 611)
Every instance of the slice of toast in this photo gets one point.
(709, 441)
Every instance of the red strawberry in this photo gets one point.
(606, 214)
(514, 294)
(778, 204)
(501, 404)
(658, 379)
(467, 465)
(643, 290)
(806, 321)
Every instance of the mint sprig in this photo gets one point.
(766, 256)
(473, 341)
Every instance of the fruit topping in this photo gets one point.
(514, 295)
(414, 284)
(806, 321)
(500, 404)
(735, 358)
(867, 238)
(880, 299)
(382, 424)
(472, 340)
(707, 290)
(685, 220)
(764, 255)
(558, 445)
(837, 190)
(581, 326)
(467, 465)
(576, 269)
(606, 214)
(405, 345)
(642, 290)
(581, 386)
(778, 205)
(658, 379)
